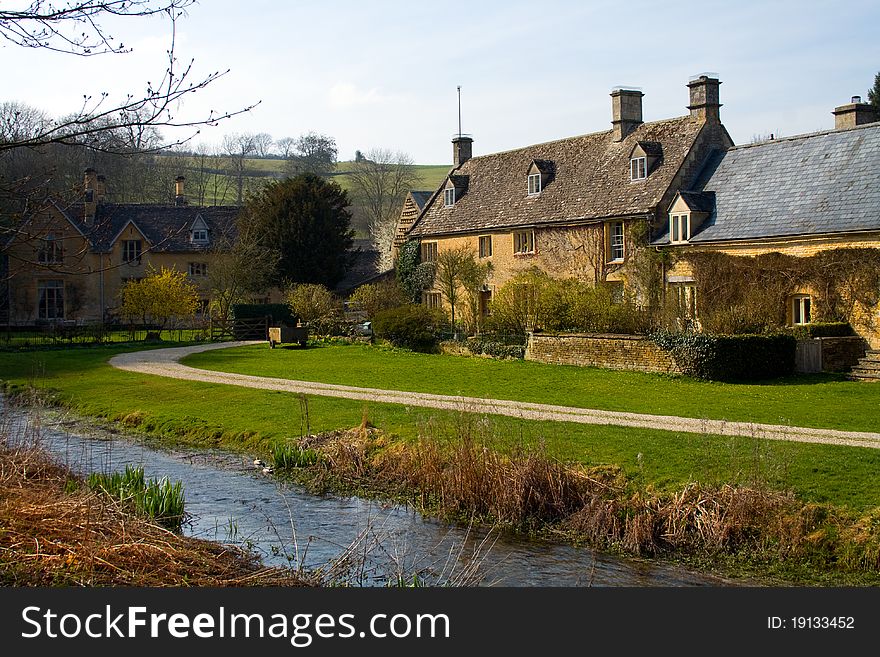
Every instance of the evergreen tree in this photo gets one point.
(307, 220)
(874, 92)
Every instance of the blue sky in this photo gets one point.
(384, 73)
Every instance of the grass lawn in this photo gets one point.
(826, 401)
(244, 419)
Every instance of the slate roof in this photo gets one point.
(699, 201)
(591, 181)
(166, 227)
(815, 184)
(421, 198)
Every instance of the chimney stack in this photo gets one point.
(90, 195)
(853, 114)
(462, 149)
(626, 111)
(101, 189)
(179, 197)
(704, 98)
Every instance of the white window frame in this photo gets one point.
(523, 238)
(449, 197)
(485, 246)
(132, 251)
(685, 299)
(429, 252)
(198, 269)
(638, 168)
(679, 228)
(801, 309)
(432, 300)
(199, 236)
(51, 288)
(534, 184)
(616, 242)
(51, 252)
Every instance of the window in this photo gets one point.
(638, 168)
(131, 251)
(801, 309)
(485, 246)
(51, 299)
(199, 236)
(51, 252)
(449, 197)
(534, 184)
(615, 241)
(485, 302)
(524, 241)
(432, 300)
(429, 251)
(198, 269)
(685, 298)
(679, 227)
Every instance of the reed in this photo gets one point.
(159, 499)
(286, 456)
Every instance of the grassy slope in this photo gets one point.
(817, 401)
(244, 419)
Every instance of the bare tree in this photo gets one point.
(76, 28)
(455, 267)
(312, 153)
(577, 251)
(237, 147)
(286, 147)
(263, 144)
(380, 182)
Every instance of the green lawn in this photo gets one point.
(243, 419)
(826, 401)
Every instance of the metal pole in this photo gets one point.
(459, 110)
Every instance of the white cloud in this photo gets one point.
(345, 95)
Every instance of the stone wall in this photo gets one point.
(840, 354)
(615, 352)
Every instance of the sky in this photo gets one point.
(383, 74)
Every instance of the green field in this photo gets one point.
(826, 401)
(250, 420)
(221, 189)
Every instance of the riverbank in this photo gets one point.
(56, 532)
(458, 473)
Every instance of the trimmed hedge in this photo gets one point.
(411, 326)
(823, 330)
(730, 357)
(279, 312)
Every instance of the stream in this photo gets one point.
(368, 543)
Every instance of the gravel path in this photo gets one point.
(164, 362)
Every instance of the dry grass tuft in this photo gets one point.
(53, 531)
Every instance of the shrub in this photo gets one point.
(316, 306)
(411, 326)
(730, 357)
(498, 346)
(373, 298)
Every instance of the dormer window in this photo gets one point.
(534, 184)
(199, 232)
(644, 158)
(449, 197)
(638, 168)
(679, 228)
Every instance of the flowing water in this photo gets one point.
(229, 500)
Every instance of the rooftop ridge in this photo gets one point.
(806, 135)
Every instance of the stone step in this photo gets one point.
(868, 364)
(859, 374)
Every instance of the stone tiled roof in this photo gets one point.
(166, 227)
(591, 181)
(816, 184)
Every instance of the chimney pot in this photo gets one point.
(856, 99)
(179, 196)
(626, 111)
